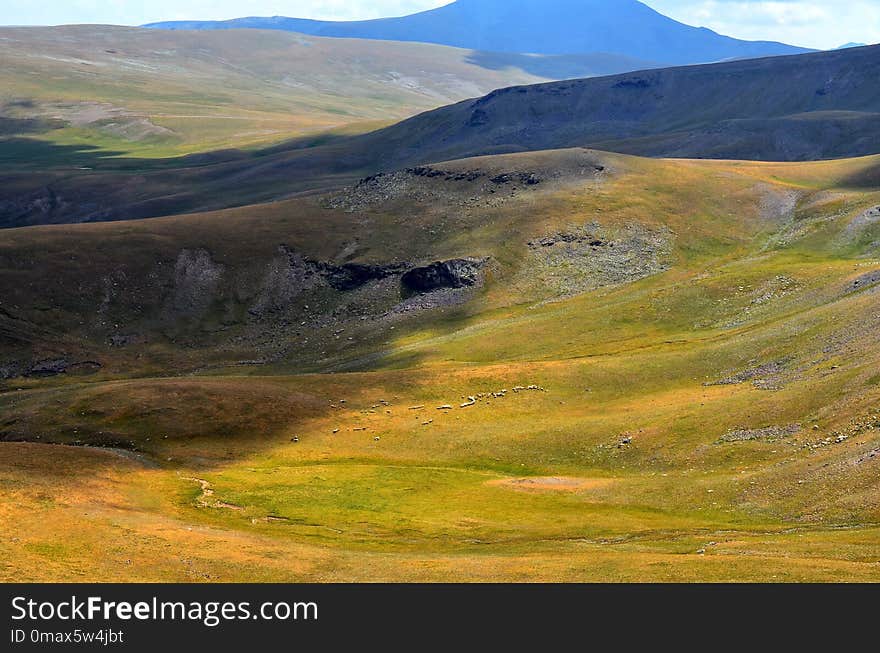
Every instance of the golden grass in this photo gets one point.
(618, 471)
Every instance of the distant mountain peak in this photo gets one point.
(555, 27)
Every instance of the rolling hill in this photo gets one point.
(146, 93)
(557, 331)
(619, 27)
(556, 365)
(805, 107)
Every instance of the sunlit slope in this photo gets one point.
(156, 93)
(668, 371)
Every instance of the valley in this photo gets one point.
(825, 109)
(501, 291)
(559, 365)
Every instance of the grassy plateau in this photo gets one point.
(111, 92)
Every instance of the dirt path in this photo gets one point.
(206, 500)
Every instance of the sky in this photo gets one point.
(811, 23)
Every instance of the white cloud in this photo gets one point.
(137, 12)
(812, 23)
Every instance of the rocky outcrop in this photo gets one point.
(764, 375)
(454, 273)
(51, 367)
(863, 221)
(568, 237)
(354, 275)
(865, 281)
(453, 185)
(525, 178)
(300, 292)
(197, 278)
(48, 367)
(292, 275)
(288, 275)
(768, 434)
(586, 257)
(10, 370)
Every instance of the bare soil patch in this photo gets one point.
(553, 483)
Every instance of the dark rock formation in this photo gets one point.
(455, 273)
(527, 178)
(448, 175)
(865, 281)
(568, 237)
(354, 275)
(10, 370)
(51, 367)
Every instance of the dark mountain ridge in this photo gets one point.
(813, 106)
(807, 107)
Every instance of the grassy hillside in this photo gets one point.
(157, 93)
(663, 370)
(804, 107)
(825, 107)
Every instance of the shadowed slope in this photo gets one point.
(787, 108)
(812, 106)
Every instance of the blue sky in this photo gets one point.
(814, 23)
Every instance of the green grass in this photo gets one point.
(466, 494)
(201, 92)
